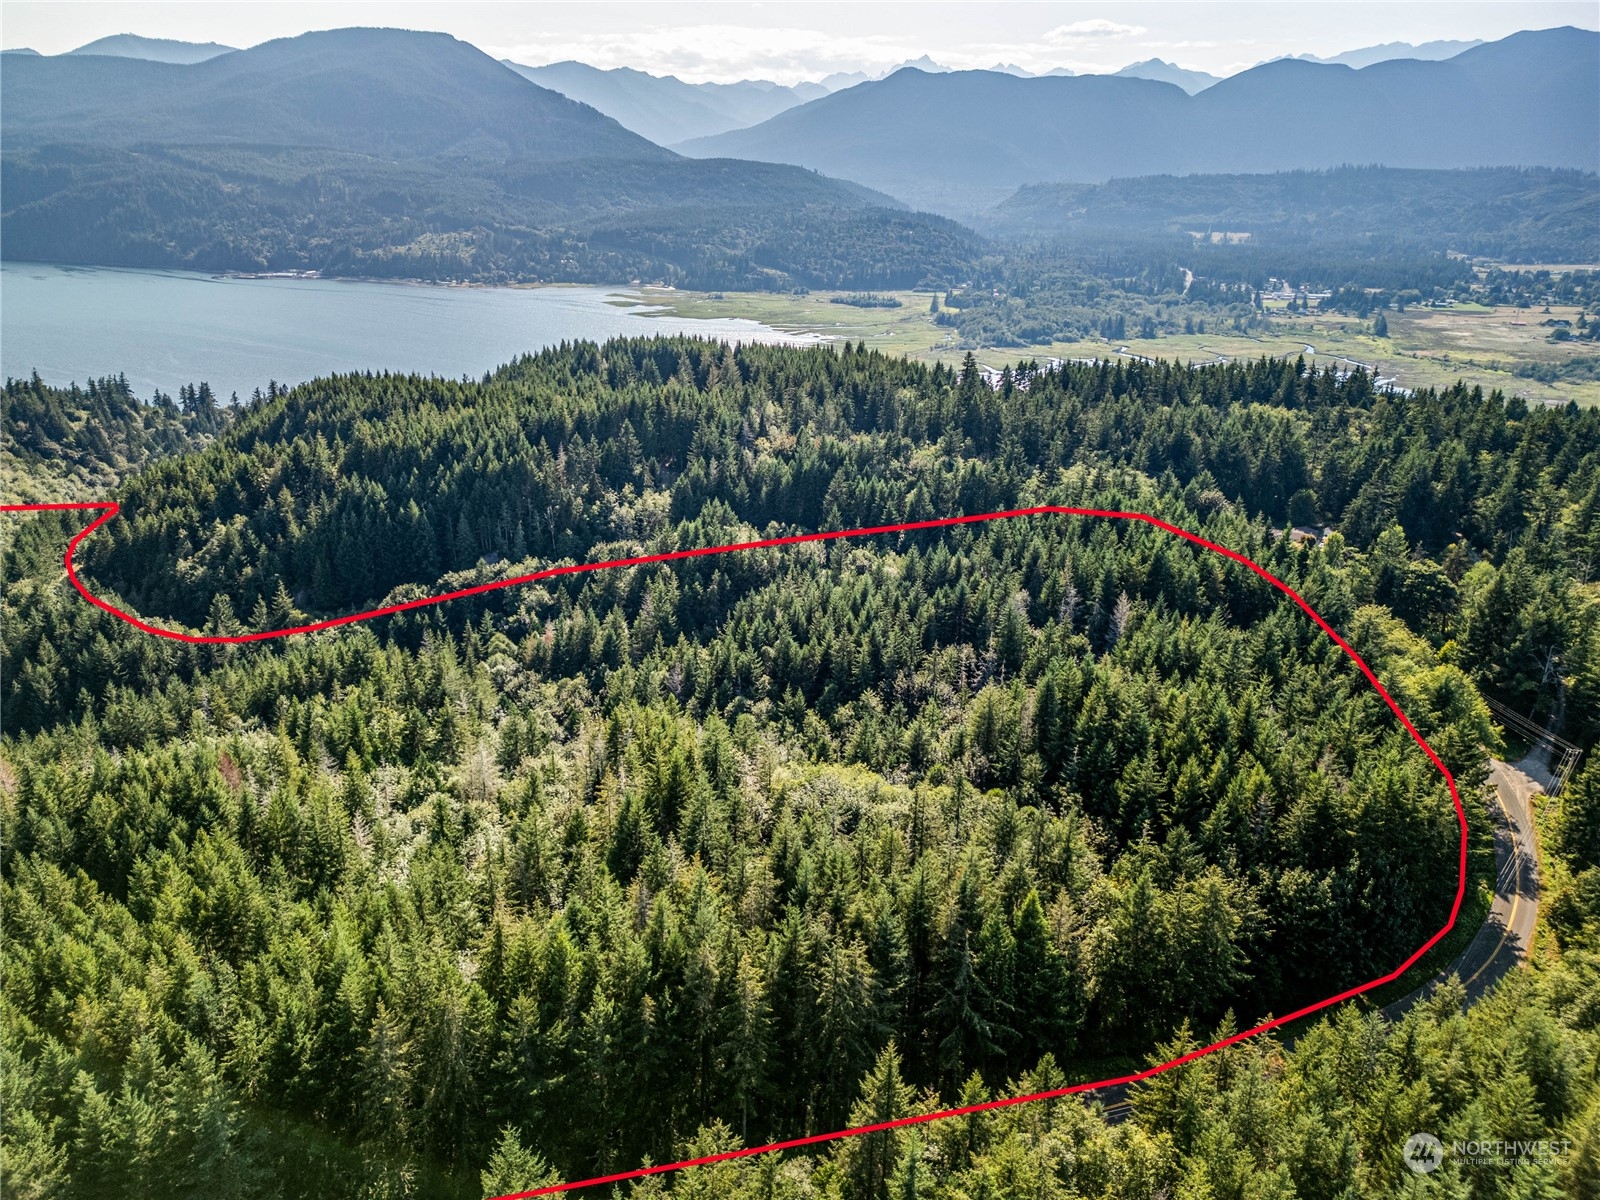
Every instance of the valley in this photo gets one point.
(1425, 348)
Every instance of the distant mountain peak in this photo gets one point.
(392, 93)
(1366, 56)
(839, 80)
(167, 50)
(664, 108)
(924, 65)
(1164, 72)
(959, 143)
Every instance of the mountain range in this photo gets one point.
(668, 110)
(387, 152)
(665, 109)
(1367, 55)
(959, 142)
(379, 92)
(395, 153)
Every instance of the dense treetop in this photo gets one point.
(78, 443)
(347, 488)
(652, 862)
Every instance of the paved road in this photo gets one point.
(1502, 941)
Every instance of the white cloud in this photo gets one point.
(720, 53)
(1093, 30)
(723, 52)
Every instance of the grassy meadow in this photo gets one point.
(1425, 347)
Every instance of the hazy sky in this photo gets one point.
(792, 41)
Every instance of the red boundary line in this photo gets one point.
(110, 509)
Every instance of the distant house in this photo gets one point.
(1020, 376)
(1306, 535)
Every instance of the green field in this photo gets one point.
(907, 330)
(1426, 347)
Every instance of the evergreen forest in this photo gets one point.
(635, 865)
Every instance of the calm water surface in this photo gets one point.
(167, 328)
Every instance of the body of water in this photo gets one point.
(167, 328)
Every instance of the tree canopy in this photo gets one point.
(659, 861)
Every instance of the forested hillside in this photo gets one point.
(391, 153)
(349, 487)
(647, 863)
(79, 443)
(752, 226)
(1515, 215)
